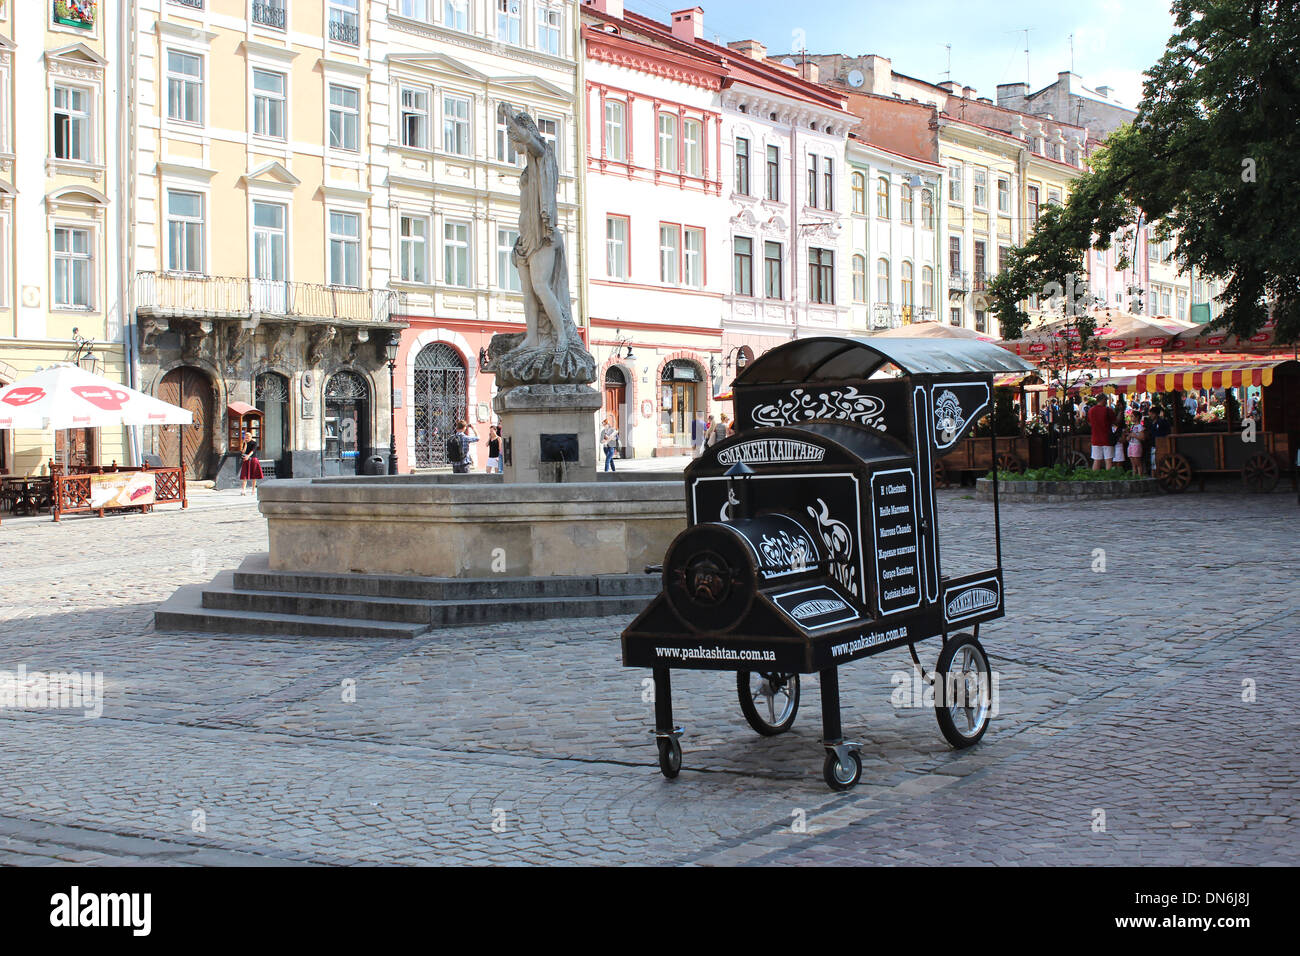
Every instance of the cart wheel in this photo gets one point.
(962, 688)
(1075, 460)
(838, 776)
(670, 756)
(1008, 461)
(940, 475)
(768, 700)
(1261, 474)
(1173, 473)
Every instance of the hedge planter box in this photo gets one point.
(1065, 491)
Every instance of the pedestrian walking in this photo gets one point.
(1136, 433)
(609, 443)
(721, 430)
(250, 469)
(458, 447)
(494, 450)
(705, 433)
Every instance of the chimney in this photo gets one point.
(750, 48)
(967, 92)
(880, 74)
(810, 71)
(613, 8)
(688, 25)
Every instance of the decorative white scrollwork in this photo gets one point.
(731, 502)
(782, 551)
(844, 404)
(948, 421)
(838, 538)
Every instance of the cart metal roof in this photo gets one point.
(831, 358)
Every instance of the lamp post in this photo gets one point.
(390, 351)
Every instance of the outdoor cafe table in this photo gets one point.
(26, 495)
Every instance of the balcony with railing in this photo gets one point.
(196, 4)
(269, 14)
(959, 282)
(198, 296)
(345, 29)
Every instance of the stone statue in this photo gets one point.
(550, 352)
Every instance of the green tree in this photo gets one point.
(1213, 157)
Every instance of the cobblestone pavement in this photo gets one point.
(1121, 694)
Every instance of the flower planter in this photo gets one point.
(1065, 491)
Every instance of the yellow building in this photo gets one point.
(60, 278)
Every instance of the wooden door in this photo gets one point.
(188, 446)
(75, 447)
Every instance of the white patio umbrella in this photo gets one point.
(67, 396)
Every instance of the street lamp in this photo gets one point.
(390, 352)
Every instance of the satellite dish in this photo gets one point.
(856, 78)
(789, 61)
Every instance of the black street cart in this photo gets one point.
(812, 538)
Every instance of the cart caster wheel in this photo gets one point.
(838, 776)
(964, 718)
(768, 700)
(670, 757)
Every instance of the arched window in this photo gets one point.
(271, 393)
(882, 197)
(440, 398)
(859, 194)
(927, 288)
(927, 209)
(882, 281)
(906, 277)
(859, 278)
(346, 423)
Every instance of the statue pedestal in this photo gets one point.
(548, 433)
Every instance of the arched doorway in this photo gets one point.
(440, 399)
(346, 423)
(188, 446)
(616, 404)
(679, 404)
(271, 395)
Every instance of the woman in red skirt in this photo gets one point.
(250, 469)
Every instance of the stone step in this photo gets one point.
(255, 575)
(184, 611)
(351, 607)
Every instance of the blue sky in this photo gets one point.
(1114, 40)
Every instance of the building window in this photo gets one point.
(455, 14)
(828, 183)
(670, 239)
(506, 149)
(927, 288)
(981, 323)
(774, 173)
(549, 25)
(954, 255)
(455, 254)
(668, 142)
(507, 272)
(72, 264)
(905, 202)
(693, 140)
(71, 123)
(1033, 205)
(812, 181)
(742, 166)
(821, 276)
(927, 208)
(954, 316)
(413, 252)
(269, 13)
(882, 281)
(415, 117)
(1004, 196)
(549, 131)
(345, 249)
(743, 266)
(882, 197)
(344, 23)
(693, 258)
(269, 105)
(1053, 197)
(980, 181)
(1003, 252)
(981, 262)
(455, 125)
(345, 118)
(616, 258)
(184, 87)
(184, 231)
(773, 286)
(859, 278)
(954, 182)
(414, 9)
(615, 130)
(268, 241)
(508, 20)
(858, 186)
(71, 13)
(905, 279)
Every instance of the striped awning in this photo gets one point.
(1220, 375)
